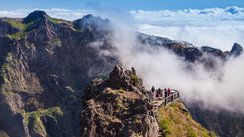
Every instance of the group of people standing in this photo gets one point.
(159, 93)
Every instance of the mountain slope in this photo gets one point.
(224, 123)
(46, 63)
(175, 120)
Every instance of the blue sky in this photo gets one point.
(119, 4)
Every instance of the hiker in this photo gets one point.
(168, 91)
(156, 93)
(153, 92)
(133, 70)
(153, 89)
(165, 92)
(160, 92)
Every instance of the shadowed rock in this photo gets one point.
(236, 50)
(117, 107)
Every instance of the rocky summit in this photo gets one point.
(117, 107)
(47, 63)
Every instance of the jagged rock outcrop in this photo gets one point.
(236, 50)
(117, 107)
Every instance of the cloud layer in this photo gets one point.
(217, 27)
(216, 89)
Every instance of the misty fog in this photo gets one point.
(218, 89)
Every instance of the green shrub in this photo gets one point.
(135, 79)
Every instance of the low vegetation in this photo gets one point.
(18, 35)
(135, 79)
(33, 119)
(55, 20)
(17, 24)
(24, 27)
(175, 120)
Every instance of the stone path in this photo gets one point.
(164, 102)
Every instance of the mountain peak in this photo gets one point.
(38, 14)
(236, 50)
(91, 22)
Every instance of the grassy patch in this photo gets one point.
(52, 112)
(165, 125)
(55, 20)
(190, 132)
(174, 122)
(17, 24)
(21, 26)
(33, 119)
(18, 35)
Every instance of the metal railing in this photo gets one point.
(172, 97)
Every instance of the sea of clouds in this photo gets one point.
(217, 27)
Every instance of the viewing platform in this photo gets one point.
(164, 101)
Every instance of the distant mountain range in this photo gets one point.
(46, 63)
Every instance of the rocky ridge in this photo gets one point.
(118, 107)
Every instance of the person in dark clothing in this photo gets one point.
(168, 91)
(165, 92)
(153, 89)
(133, 70)
(160, 92)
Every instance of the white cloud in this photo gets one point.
(217, 27)
(217, 89)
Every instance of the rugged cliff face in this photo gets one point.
(118, 107)
(45, 64)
